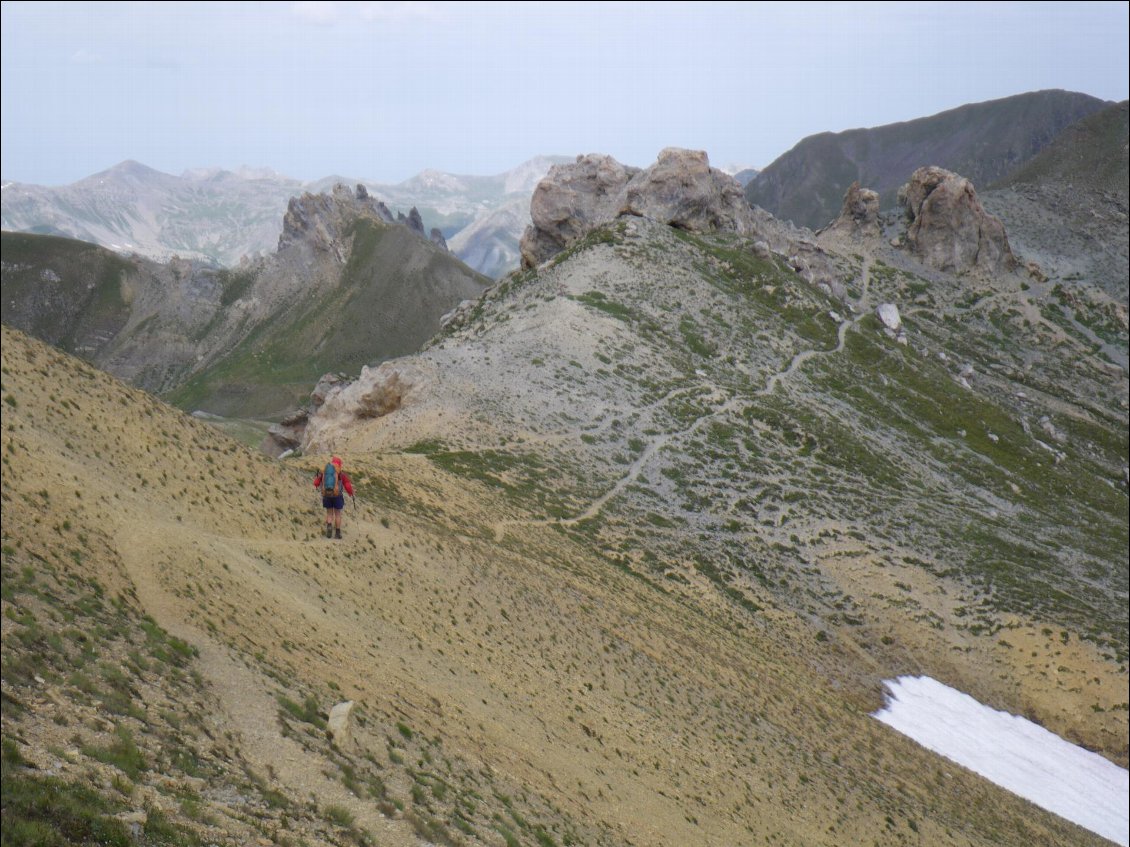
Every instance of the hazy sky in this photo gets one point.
(381, 90)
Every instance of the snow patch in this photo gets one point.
(1011, 751)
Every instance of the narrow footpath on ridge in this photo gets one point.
(636, 468)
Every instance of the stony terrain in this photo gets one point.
(640, 534)
(1067, 208)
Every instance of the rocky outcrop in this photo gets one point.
(948, 228)
(375, 393)
(413, 221)
(321, 220)
(287, 434)
(680, 189)
(436, 237)
(570, 202)
(859, 216)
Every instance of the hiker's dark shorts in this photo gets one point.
(332, 502)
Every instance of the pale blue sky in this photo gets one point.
(382, 90)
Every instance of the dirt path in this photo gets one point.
(249, 708)
(841, 334)
(662, 441)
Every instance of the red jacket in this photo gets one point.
(346, 482)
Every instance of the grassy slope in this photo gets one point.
(390, 289)
(1089, 154)
(511, 690)
(74, 311)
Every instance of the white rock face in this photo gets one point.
(337, 727)
(889, 314)
(375, 393)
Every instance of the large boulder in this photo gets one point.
(375, 393)
(948, 227)
(680, 189)
(571, 201)
(339, 726)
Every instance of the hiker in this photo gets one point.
(334, 484)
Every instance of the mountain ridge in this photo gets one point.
(252, 341)
(981, 141)
(222, 216)
(641, 531)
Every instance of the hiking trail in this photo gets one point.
(247, 704)
(776, 379)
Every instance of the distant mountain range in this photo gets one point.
(346, 288)
(983, 142)
(220, 216)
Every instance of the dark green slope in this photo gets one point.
(69, 293)
(392, 293)
(981, 141)
(1090, 154)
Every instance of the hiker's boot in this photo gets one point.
(337, 532)
(329, 530)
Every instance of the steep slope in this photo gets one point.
(982, 141)
(345, 288)
(953, 505)
(512, 683)
(75, 299)
(1068, 206)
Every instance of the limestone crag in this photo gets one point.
(436, 237)
(570, 201)
(859, 216)
(948, 228)
(680, 189)
(288, 433)
(375, 393)
(320, 220)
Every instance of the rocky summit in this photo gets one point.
(859, 217)
(679, 189)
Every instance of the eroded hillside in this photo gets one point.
(954, 504)
(175, 629)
